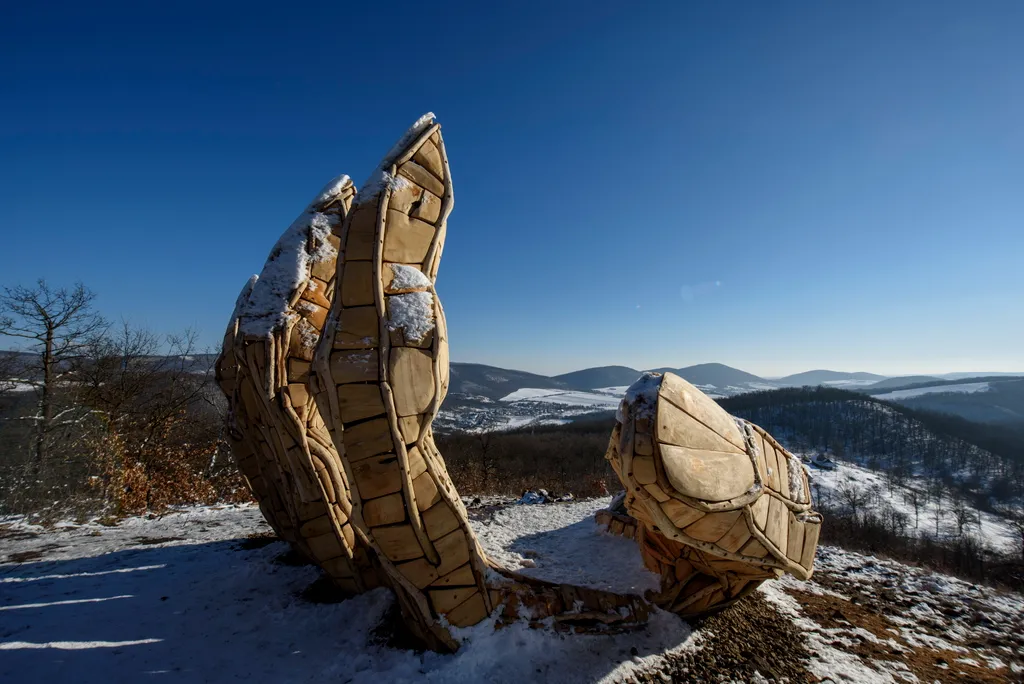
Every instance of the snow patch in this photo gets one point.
(564, 397)
(287, 268)
(642, 397)
(564, 544)
(381, 178)
(412, 313)
(408, 278)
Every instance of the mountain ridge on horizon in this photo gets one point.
(714, 374)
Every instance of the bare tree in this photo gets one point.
(964, 515)
(917, 499)
(158, 432)
(852, 495)
(56, 325)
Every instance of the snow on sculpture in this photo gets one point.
(335, 364)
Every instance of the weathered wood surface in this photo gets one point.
(716, 504)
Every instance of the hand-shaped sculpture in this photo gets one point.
(335, 364)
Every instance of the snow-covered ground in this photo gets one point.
(874, 621)
(202, 595)
(186, 598)
(563, 543)
(964, 388)
(870, 491)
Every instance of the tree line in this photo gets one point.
(96, 416)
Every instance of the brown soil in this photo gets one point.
(750, 636)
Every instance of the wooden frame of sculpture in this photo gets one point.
(335, 363)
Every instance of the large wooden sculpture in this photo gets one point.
(335, 363)
(720, 505)
(275, 429)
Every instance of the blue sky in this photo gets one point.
(776, 186)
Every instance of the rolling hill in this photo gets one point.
(822, 377)
(604, 376)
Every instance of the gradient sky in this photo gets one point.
(776, 186)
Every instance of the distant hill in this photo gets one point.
(905, 381)
(1002, 404)
(819, 377)
(593, 378)
(987, 399)
(494, 383)
(718, 374)
(961, 376)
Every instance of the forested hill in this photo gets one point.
(985, 460)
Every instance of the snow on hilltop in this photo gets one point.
(204, 594)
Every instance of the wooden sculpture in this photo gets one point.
(335, 363)
(276, 432)
(720, 506)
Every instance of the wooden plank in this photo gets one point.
(461, 576)
(453, 550)
(771, 464)
(795, 544)
(777, 527)
(358, 328)
(469, 613)
(412, 380)
(420, 176)
(357, 283)
(362, 232)
(385, 510)
(811, 532)
(426, 491)
(429, 158)
(760, 510)
(358, 402)
(644, 471)
(364, 440)
(325, 546)
(694, 402)
(676, 426)
(406, 239)
(446, 600)
(353, 366)
(317, 526)
(713, 526)
(397, 542)
(421, 573)
(680, 514)
(439, 520)
(377, 476)
(737, 536)
(710, 476)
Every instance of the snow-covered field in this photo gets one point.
(964, 388)
(936, 518)
(848, 382)
(202, 595)
(567, 397)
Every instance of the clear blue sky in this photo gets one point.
(776, 186)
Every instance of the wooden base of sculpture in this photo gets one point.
(335, 364)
